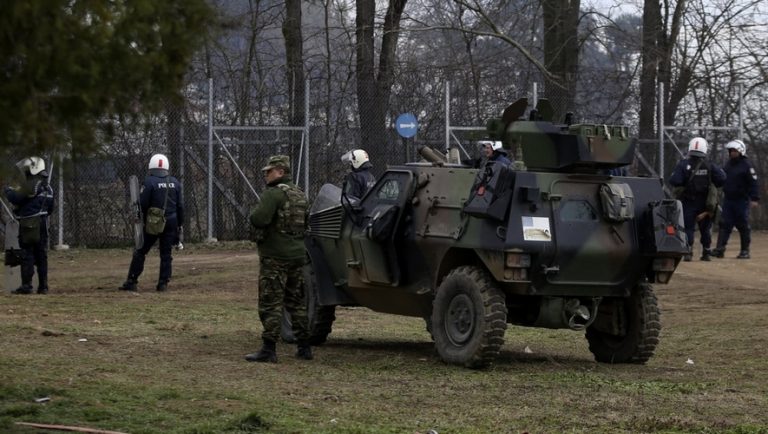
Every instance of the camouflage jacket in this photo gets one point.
(273, 242)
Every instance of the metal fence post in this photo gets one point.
(60, 239)
(447, 115)
(306, 134)
(210, 238)
(660, 100)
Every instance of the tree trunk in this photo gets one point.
(374, 85)
(650, 59)
(294, 63)
(561, 52)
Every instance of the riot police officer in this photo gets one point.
(33, 202)
(694, 176)
(360, 179)
(162, 191)
(740, 193)
(493, 152)
(281, 219)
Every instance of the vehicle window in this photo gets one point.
(577, 210)
(389, 190)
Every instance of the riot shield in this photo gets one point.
(12, 275)
(134, 210)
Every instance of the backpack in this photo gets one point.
(292, 216)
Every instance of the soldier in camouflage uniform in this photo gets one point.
(280, 218)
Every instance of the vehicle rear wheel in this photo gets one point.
(626, 330)
(321, 318)
(469, 318)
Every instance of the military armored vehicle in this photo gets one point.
(556, 243)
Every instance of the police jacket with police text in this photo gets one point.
(695, 174)
(275, 243)
(33, 198)
(742, 180)
(360, 180)
(153, 195)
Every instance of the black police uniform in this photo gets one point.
(153, 193)
(695, 174)
(740, 188)
(33, 201)
(360, 180)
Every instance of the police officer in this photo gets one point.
(693, 177)
(33, 202)
(740, 193)
(281, 219)
(493, 152)
(160, 190)
(360, 179)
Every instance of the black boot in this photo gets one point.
(162, 286)
(746, 239)
(718, 252)
(25, 288)
(744, 254)
(128, 285)
(267, 353)
(42, 286)
(304, 351)
(705, 255)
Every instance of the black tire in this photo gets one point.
(638, 318)
(321, 318)
(469, 318)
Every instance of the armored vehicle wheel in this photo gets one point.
(321, 318)
(626, 330)
(469, 318)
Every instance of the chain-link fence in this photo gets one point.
(94, 210)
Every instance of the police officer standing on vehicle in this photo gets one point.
(740, 193)
(33, 202)
(493, 152)
(693, 177)
(360, 179)
(281, 220)
(162, 191)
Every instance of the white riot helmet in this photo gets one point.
(33, 165)
(158, 164)
(698, 147)
(356, 158)
(737, 145)
(494, 144)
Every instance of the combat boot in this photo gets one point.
(128, 285)
(42, 286)
(267, 353)
(304, 351)
(744, 254)
(705, 255)
(718, 252)
(25, 288)
(162, 286)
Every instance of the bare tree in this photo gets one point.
(374, 83)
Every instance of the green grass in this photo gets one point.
(173, 363)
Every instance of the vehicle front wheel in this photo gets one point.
(626, 330)
(469, 318)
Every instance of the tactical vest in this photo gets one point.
(291, 217)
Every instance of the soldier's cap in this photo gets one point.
(282, 161)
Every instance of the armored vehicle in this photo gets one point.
(555, 243)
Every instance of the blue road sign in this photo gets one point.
(406, 125)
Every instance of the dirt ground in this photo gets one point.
(107, 270)
(182, 352)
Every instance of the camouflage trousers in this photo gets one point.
(281, 285)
